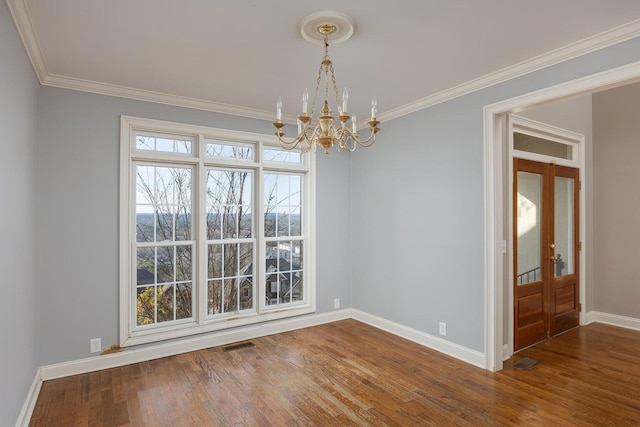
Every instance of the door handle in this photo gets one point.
(553, 258)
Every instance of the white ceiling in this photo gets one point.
(223, 54)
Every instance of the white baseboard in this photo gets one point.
(612, 319)
(259, 330)
(506, 354)
(454, 350)
(30, 403)
(157, 351)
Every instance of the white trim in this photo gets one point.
(551, 133)
(22, 18)
(166, 349)
(506, 353)
(565, 53)
(130, 334)
(30, 402)
(612, 319)
(493, 254)
(24, 25)
(157, 351)
(494, 181)
(459, 352)
(159, 98)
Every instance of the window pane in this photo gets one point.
(245, 224)
(165, 268)
(184, 266)
(227, 150)
(533, 144)
(246, 294)
(297, 293)
(276, 155)
(146, 305)
(146, 266)
(232, 262)
(165, 302)
(563, 226)
(214, 291)
(229, 200)
(184, 301)
(163, 144)
(163, 203)
(284, 272)
(166, 263)
(231, 295)
(246, 259)
(528, 225)
(283, 204)
(214, 256)
(230, 223)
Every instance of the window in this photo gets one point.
(215, 230)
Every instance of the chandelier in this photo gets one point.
(327, 132)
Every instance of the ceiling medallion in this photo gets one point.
(321, 27)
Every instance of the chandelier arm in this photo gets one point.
(370, 139)
(288, 145)
(327, 132)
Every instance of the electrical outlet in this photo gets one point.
(336, 303)
(96, 345)
(443, 329)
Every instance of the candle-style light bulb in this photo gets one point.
(305, 100)
(354, 130)
(279, 109)
(374, 107)
(345, 98)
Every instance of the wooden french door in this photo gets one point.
(546, 250)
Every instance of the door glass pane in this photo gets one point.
(529, 209)
(533, 144)
(563, 222)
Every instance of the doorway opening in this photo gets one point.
(498, 174)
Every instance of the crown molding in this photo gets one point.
(22, 18)
(590, 44)
(157, 97)
(24, 25)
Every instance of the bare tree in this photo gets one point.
(166, 191)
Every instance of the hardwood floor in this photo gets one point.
(348, 373)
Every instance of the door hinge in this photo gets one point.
(579, 185)
(579, 246)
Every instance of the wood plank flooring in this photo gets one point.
(351, 374)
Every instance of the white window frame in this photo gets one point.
(130, 333)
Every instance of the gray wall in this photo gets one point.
(400, 225)
(418, 207)
(616, 120)
(18, 226)
(78, 221)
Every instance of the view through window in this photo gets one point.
(215, 230)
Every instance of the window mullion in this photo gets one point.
(179, 157)
(259, 275)
(200, 200)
